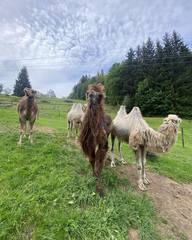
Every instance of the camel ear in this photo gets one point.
(101, 86)
(89, 86)
(179, 120)
(25, 91)
(34, 92)
(166, 120)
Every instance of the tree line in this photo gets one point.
(156, 76)
(22, 82)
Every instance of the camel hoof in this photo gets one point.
(113, 164)
(68, 135)
(101, 193)
(123, 161)
(146, 181)
(142, 186)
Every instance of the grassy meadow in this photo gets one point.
(47, 191)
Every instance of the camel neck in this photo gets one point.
(95, 115)
(97, 109)
(30, 100)
(170, 133)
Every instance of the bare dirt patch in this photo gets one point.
(133, 234)
(172, 200)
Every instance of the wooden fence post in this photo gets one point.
(182, 137)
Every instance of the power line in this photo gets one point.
(58, 65)
(63, 57)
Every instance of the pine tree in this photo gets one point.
(22, 82)
(156, 76)
(1, 87)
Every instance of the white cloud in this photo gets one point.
(87, 35)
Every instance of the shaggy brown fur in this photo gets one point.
(27, 110)
(95, 130)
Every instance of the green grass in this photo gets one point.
(47, 191)
(176, 164)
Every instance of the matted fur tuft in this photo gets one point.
(97, 88)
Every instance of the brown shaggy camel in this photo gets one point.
(27, 109)
(96, 127)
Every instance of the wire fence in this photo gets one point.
(56, 112)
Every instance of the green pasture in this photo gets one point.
(47, 191)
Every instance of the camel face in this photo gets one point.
(95, 93)
(29, 92)
(173, 119)
(94, 97)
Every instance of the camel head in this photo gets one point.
(95, 93)
(29, 92)
(169, 129)
(173, 119)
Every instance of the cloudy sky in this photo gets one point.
(59, 40)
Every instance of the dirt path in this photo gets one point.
(173, 201)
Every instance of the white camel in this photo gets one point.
(74, 118)
(142, 138)
(117, 132)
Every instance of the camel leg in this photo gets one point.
(100, 157)
(76, 132)
(25, 134)
(112, 151)
(121, 159)
(140, 169)
(69, 127)
(145, 179)
(22, 130)
(92, 161)
(72, 126)
(31, 131)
